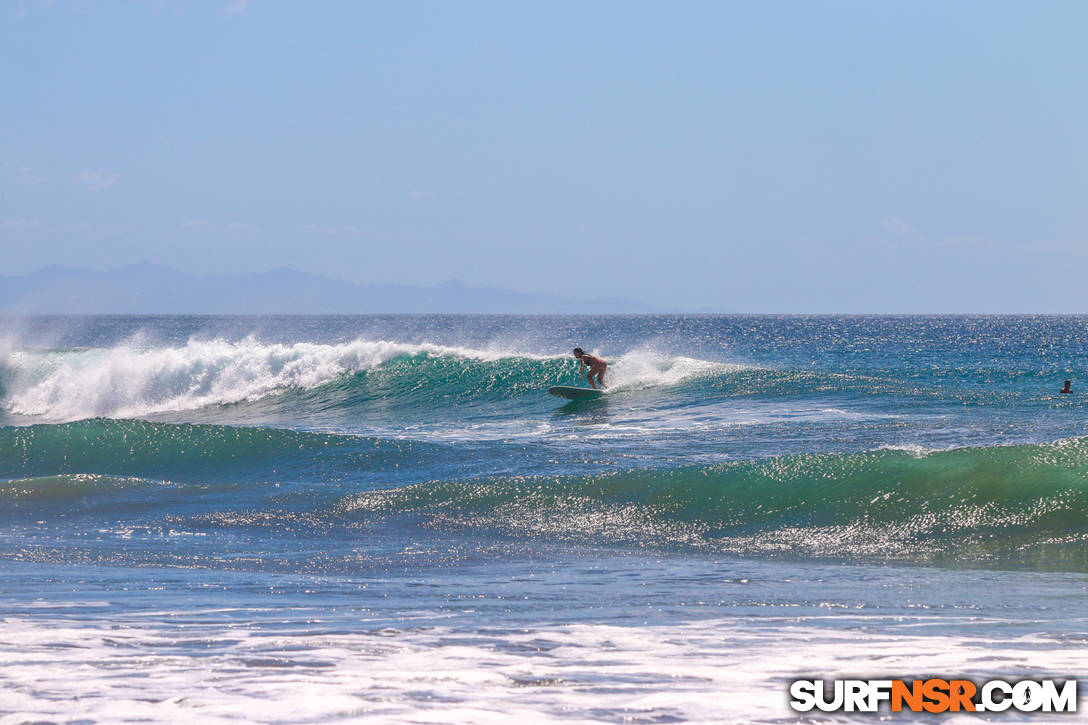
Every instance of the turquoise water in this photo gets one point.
(389, 517)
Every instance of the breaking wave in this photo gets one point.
(128, 381)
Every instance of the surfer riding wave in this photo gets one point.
(596, 365)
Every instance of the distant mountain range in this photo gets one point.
(151, 288)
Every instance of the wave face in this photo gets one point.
(129, 381)
(1016, 504)
(295, 507)
(1007, 505)
(97, 456)
(923, 440)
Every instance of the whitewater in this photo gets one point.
(133, 380)
(387, 518)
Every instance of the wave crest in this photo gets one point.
(130, 381)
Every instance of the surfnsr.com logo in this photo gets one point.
(934, 695)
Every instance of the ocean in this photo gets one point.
(387, 518)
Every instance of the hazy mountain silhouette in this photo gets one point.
(151, 288)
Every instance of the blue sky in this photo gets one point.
(762, 156)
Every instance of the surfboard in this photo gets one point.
(572, 393)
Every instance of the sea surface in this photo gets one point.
(387, 518)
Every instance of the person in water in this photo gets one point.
(596, 367)
(1068, 390)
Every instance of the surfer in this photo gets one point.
(596, 367)
(1067, 390)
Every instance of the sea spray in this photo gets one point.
(130, 380)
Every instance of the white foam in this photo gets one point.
(914, 449)
(133, 380)
(644, 369)
(716, 670)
